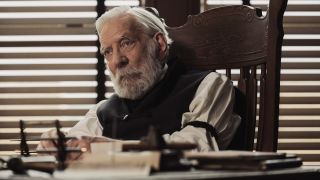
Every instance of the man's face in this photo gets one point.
(130, 56)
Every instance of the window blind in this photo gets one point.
(299, 130)
(47, 65)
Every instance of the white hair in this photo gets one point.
(150, 23)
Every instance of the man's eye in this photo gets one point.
(107, 52)
(125, 43)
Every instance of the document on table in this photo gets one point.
(112, 164)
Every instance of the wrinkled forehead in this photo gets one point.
(118, 26)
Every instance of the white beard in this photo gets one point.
(133, 83)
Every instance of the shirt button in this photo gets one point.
(125, 117)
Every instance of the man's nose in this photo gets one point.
(120, 60)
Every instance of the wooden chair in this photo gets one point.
(239, 37)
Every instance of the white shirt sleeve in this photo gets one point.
(89, 126)
(213, 104)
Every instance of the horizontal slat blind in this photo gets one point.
(47, 64)
(300, 78)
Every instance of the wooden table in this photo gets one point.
(301, 173)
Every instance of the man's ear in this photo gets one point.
(162, 42)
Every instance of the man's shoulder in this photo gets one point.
(109, 101)
(111, 107)
(207, 76)
(195, 74)
(216, 79)
(217, 76)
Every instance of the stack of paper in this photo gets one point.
(112, 164)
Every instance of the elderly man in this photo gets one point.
(151, 89)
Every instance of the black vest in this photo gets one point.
(162, 107)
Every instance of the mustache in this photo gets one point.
(127, 73)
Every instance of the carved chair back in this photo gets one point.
(247, 45)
